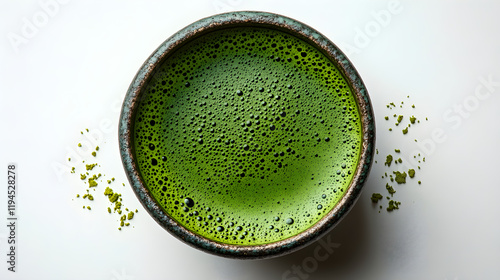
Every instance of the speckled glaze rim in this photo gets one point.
(234, 19)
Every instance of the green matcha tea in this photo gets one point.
(247, 135)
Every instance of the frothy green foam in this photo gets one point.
(247, 135)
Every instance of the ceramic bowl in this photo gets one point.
(260, 19)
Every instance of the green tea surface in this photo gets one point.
(247, 135)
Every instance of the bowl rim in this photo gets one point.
(235, 19)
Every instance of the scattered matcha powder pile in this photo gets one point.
(93, 181)
(397, 176)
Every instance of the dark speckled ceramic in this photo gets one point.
(247, 19)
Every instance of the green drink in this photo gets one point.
(247, 135)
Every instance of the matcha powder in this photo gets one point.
(93, 180)
(397, 174)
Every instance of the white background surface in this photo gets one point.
(72, 71)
